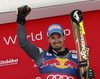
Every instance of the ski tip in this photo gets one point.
(76, 16)
(79, 11)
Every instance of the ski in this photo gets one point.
(80, 41)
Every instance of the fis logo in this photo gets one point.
(59, 63)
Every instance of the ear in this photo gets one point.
(49, 39)
(64, 37)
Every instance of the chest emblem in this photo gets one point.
(59, 63)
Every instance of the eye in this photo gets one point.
(52, 37)
(59, 36)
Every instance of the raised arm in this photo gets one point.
(34, 52)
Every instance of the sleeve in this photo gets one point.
(32, 51)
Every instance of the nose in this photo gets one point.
(56, 40)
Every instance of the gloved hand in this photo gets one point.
(91, 73)
(22, 12)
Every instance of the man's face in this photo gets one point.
(57, 41)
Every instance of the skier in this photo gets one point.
(57, 61)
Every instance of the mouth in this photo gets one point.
(57, 44)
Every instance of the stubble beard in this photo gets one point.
(56, 49)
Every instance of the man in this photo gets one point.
(57, 62)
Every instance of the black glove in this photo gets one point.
(23, 11)
(91, 73)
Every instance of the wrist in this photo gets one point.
(21, 19)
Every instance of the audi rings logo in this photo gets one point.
(59, 77)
